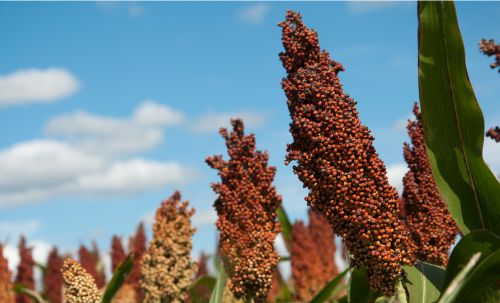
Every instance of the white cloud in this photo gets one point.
(41, 250)
(13, 229)
(115, 136)
(254, 14)
(36, 85)
(396, 172)
(38, 170)
(211, 122)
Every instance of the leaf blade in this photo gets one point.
(330, 289)
(118, 279)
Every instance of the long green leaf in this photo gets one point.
(286, 228)
(118, 279)
(425, 282)
(330, 289)
(19, 288)
(205, 282)
(453, 121)
(451, 292)
(358, 289)
(482, 241)
(218, 292)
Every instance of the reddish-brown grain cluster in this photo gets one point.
(118, 254)
(137, 246)
(323, 237)
(53, 279)
(246, 207)
(276, 284)
(337, 161)
(25, 270)
(494, 133)
(90, 261)
(426, 216)
(6, 292)
(489, 48)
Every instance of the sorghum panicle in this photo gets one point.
(275, 289)
(337, 162)
(6, 292)
(90, 262)
(306, 263)
(426, 215)
(79, 285)
(489, 48)
(324, 239)
(137, 245)
(246, 207)
(118, 254)
(494, 133)
(203, 292)
(53, 280)
(25, 270)
(166, 267)
(126, 294)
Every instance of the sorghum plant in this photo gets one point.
(323, 237)
(426, 215)
(89, 260)
(246, 207)
(6, 292)
(337, 162)
(166, 267)
(306, 263)
(137, 245)
(489, 48)
(275, 289)
(202, 291)
(118, 254)
(79, 285)
(126, 294)
(53, 279)
(25, 270)
(494, 133)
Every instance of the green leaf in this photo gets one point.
(218, 292)
(342, 300)
(451, 292)
(118, 279)
(286, 228)
(203, 281)
(453, 121)
(330, 289)
(481, 241)
(358, 289)
(425, 282)
(21, 289)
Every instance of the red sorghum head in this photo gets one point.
(494, 133)
(337, 162)
(118, 254)
(137, 245)
(53, 279)
(203, 292)
(489, 48)
(166, 267)
(25, 270)
(275, 289)
(324, 239)
(246, 208)
(6, 293)
(90, 262)
(425, 213)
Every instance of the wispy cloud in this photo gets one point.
(395, 173)
(366, 7)
(254, 14)
(10, 230)
(36, 85)
(211, 122)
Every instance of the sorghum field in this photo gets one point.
(436, 241)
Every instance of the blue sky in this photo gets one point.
(106, 108)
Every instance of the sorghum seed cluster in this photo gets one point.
(90, 262)
(126, 294)
(137, 245)
(53, 279)
(324, 239)
(337, 161)
(6, 292)
(166, 267)
(25, 271)
(494, 133)
(118, 254)
(426, 215)
(79, 286)
(275, 289)
(246, 207)
(489, 48)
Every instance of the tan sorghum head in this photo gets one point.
(79, 286)
(337, 162)
(246, 214)
(166, 267)
(126, 294)
(6, 292)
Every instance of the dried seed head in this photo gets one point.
(53, 279)
(25, 270)
(489, 48)
(494, 133)
(425, 213)
(166, 267)
(79, 286)
(6, 292)
(246, 207)
(337, 162)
